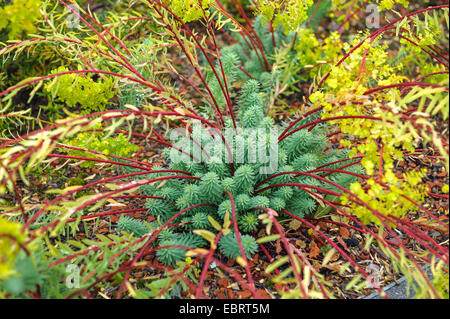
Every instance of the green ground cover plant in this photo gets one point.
(199, 138)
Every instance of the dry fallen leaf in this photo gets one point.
(344, 232)
(278, 246)
(314, 250)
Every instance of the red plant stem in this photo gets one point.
(331, 119)
(432, 48)
(148, 242)
(84, 252)
(332, 170)
(423, 77)
(124, 268)
(411, 225)
(100, 153)
(417, 45)
(382, 29)
(273, 34)
(245, 33)
(331, 204)
(15, 87)
(143, 82)
(177, 275)
(408, 84)
(268, 256)
(252, 30)
(98, 197)
(114, 212)
(347, 17)
(374, 35)
(241, 248)
(35, 40)
(438, 195)
(112, 35)
(139, 196)
(364, 228)
(97, 160)
(334, 133)
(104, 39)
(227, 93)
(225, 84)
(430, 214)
(140, 113)
(336, 223)
(161, 141)
(380, 216)
(280, 231)
(342, 252)
(342, 160)
(246, 73)
(299, 119)
(206, 264)
(298, 173)
(233, 273)
(317, 5)
(423, 238)
(199, 73)
(345, 166)
(433, 289)
(362, 202)
(299, 185)
(195, 87)
(104, 114)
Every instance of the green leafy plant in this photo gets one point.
(131, 225)
(98, 142)
(208, 197)
(71, 89)
(298, 155)
(289, 14)
(19, 17)
(292, 57)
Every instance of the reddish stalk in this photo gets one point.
(241, 248)
(342, 252)
(280, 231)
(331, 119)
(206, 265)
(358, 201)
(148, 242)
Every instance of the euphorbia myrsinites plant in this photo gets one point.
(216, 139)
(243, 168)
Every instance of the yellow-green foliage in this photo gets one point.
(441, 279)
(117, 145)
(81, 89)
(289, 14)
(19, 17)
(388, 201)
(382, 4)
(189, 10)
(11, 237)
(311, 51)
(380, 142)
(389, 4)
(376, 71)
